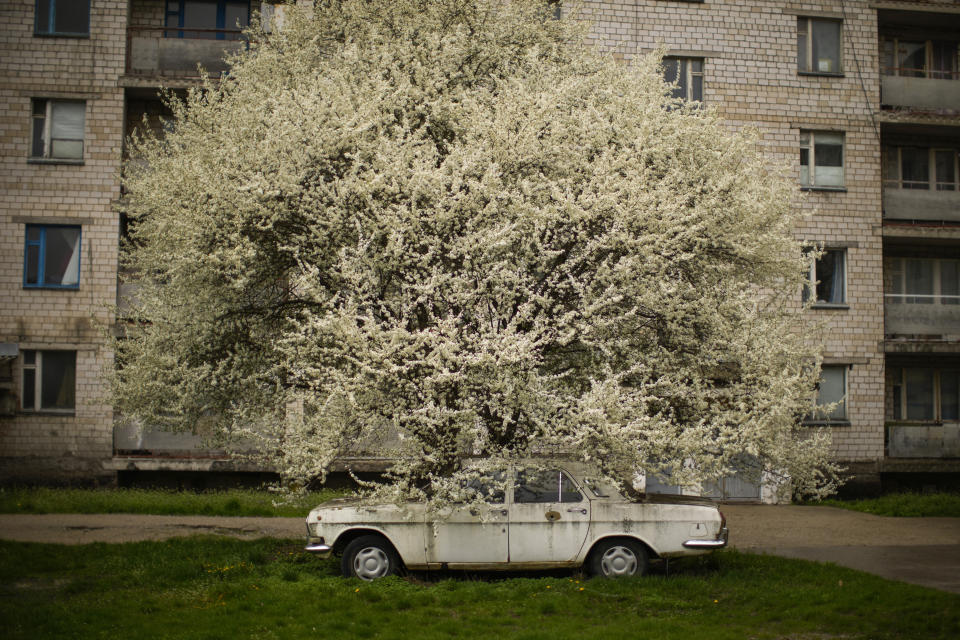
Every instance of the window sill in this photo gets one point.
(822, 74)
(49, 412)
(77, 36)
(841, 306)
(813, 187)
(826, 423)
(54, 161)
(49, 287)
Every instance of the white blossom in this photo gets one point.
(450, 228)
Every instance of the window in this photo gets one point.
(52, 257)
(818, 45)
(921, 168)
(821, 159)
(545, 486)
(62, 18)
(687, 73)
(924, 281)
(49, 381)
(211, 19)
(831, 390)
(58, 129)
(926, 395)
(828, 278)
(920, 58)
(554, 8)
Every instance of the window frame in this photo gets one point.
(41, 255)
(898, 293)
(50, 28)
(806, 32)
(221, 28)
(36, 367)
(894, 153)
(900, 392)
(928, 72)
(810, 289)
(47, 124)
(816, 417)
(811, 147)
(685, 66)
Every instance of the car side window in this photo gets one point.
(545, 486)
(487, 486)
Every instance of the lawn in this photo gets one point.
(211, 588)
(235, 502)
(910, 505)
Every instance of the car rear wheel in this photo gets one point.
(369, 558)
(618, 558)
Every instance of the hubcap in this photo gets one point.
(371, 563)
(619, 561)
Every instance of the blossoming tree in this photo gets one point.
(432, 229)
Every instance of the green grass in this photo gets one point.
(907, 505)
(235, 502)
(211, 588)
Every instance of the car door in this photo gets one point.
(471, 534)
(549, 517)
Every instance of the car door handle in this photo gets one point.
(577, 510)
(502, 512)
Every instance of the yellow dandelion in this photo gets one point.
(356, 590)
(581, 588)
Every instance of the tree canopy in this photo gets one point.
(431, 229)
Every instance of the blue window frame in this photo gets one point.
(51, 256)
(62, 18)
(210, 19)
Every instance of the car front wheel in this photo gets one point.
(369, 558)
(618, 558)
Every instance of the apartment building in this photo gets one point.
(859, 99)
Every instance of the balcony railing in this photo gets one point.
(921, 204)
(177, 51)
(921, 314)
(923, 440)
(927, 90)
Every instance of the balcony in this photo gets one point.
(920, 93)
(922, 315)
(177, 52)
(921, 204)
(923, 441)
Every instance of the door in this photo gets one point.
(549, 517)
(472, 534)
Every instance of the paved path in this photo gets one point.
(923, 551)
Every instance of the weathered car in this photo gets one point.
(547, 518)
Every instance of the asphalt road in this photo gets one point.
(924, 551)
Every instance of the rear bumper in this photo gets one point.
(718, 543)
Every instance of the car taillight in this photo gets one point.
(723, 519)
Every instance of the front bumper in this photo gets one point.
(719, 543)
(318, 548)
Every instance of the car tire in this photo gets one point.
(370, 557)
(617, 558)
